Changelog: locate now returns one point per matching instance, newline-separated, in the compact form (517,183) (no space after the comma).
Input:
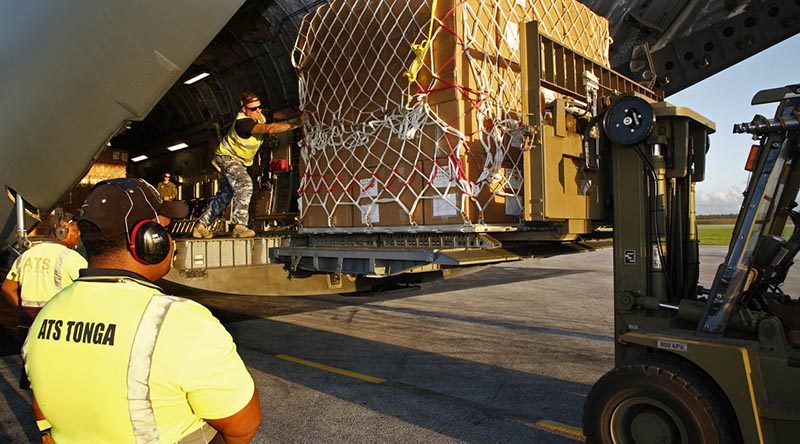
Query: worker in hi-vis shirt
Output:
(42,271)
(112,359)
(234,154)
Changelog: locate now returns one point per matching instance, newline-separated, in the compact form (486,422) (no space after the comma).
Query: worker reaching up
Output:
(234,154)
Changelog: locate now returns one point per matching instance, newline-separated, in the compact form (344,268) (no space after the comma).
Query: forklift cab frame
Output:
(695,364)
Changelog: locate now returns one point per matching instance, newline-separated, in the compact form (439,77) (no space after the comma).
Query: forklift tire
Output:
(657,402)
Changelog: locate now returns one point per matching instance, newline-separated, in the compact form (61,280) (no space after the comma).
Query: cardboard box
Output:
(500,198)
(389,196)
(388,79)
(327,192)
(355,56)
(443,200)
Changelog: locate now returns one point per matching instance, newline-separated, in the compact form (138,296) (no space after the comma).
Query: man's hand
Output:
(299,121)
(285,113)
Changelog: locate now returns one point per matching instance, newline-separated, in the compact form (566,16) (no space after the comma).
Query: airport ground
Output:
(504,354)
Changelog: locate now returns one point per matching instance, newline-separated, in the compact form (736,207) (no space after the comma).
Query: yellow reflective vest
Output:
(243,149)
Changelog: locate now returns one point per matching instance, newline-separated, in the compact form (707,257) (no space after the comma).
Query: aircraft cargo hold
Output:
(438,132)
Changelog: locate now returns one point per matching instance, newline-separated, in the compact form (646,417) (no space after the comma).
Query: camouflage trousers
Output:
(234,185)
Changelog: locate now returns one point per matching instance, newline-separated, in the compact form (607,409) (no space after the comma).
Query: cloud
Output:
(719,202)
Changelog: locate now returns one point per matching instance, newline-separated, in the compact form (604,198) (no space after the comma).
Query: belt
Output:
(204,435)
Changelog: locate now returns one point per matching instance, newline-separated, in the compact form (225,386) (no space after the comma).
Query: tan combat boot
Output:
(242,231)
(201,232)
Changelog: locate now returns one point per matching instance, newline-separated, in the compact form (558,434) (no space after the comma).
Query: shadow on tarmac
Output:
(234,308)
(19,405)
(466,400)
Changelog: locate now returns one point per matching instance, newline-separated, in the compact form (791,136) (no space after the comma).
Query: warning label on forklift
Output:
(630,257)
(674,346)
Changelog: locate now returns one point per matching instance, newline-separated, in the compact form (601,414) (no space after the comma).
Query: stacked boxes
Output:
(413,124)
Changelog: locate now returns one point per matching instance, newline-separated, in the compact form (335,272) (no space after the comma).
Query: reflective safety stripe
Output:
(26,303)
(243,149)
(225,144)
(144,342)
(204,435)
(57,268)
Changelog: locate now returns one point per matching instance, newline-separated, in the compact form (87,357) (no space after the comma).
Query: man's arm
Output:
(277,127)
(297,121)
(286,113)
(242,426)
(11,292)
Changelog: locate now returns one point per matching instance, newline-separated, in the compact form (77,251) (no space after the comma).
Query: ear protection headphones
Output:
(148,241)
(60,232)
(248,98)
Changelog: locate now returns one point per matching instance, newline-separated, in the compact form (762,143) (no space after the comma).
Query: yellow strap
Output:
(420,49)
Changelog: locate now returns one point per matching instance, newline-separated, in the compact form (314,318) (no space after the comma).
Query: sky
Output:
(725,99)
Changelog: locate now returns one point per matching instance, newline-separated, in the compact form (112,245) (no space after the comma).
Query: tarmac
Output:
(504,354)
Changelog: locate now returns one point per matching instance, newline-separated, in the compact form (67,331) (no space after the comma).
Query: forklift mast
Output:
(658,154)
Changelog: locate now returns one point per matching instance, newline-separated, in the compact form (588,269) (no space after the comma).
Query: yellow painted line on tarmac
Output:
(542,424)
(338,371)
(557,427)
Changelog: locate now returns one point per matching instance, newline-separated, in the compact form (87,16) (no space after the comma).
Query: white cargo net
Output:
(417,104)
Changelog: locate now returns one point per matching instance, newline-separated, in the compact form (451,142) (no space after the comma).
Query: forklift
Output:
(696,364)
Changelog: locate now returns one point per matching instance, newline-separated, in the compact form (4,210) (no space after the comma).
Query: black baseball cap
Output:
(116,205)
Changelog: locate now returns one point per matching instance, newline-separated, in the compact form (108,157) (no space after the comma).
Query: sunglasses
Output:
(254,108)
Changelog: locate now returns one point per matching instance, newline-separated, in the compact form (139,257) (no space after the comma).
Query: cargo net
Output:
(415,108)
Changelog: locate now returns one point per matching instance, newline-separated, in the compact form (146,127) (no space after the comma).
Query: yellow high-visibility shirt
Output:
(111,359)
(41,272)
(244,149)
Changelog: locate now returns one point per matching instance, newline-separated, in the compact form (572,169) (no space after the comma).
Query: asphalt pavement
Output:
(504,354)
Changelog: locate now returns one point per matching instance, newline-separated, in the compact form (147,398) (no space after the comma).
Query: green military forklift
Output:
(696,363)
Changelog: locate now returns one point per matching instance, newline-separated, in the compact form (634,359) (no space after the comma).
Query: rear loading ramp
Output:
(386,262)
(310,265)
(382,255)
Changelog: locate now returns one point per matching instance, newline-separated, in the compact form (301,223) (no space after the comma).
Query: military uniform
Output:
(233,155)
(143,366)
(167,190)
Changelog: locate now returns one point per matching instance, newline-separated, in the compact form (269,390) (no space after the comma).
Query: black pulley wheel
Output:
(657,403)
(628,121)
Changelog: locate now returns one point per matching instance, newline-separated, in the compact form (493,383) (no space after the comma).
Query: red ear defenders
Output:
(149,242)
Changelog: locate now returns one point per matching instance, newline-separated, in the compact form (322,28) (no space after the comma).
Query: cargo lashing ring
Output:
(628,121)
